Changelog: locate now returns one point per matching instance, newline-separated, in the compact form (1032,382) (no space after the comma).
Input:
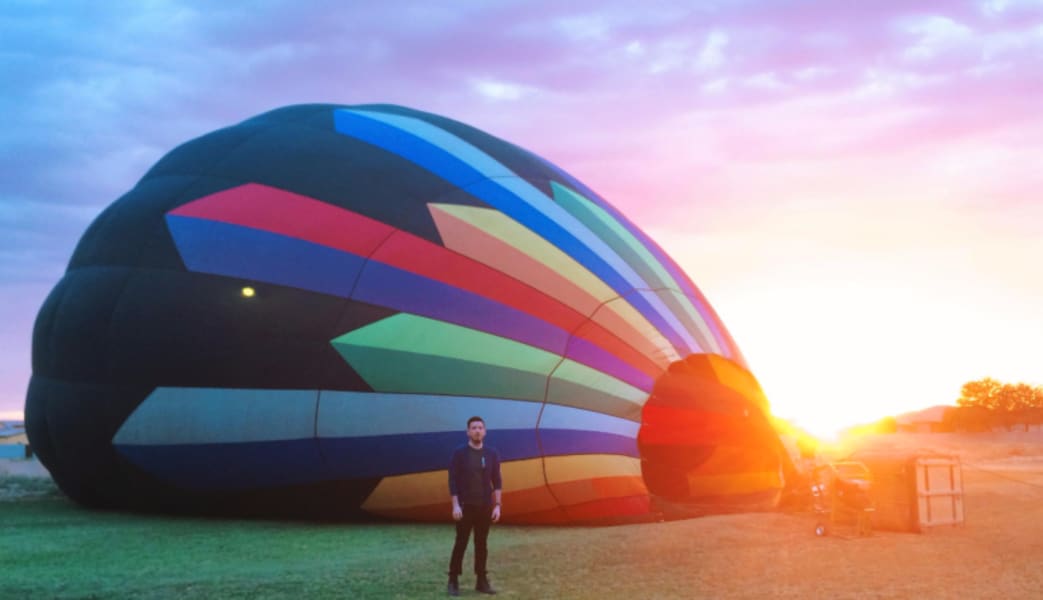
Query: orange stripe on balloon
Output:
(586,490)
(471,240)
(672,425)
(532,505)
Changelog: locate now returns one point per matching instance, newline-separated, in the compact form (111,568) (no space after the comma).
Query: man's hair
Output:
(473,419)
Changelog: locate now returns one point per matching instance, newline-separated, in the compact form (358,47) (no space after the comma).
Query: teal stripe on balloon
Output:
(360,414)
(188,415)
(641,260)
(566,417)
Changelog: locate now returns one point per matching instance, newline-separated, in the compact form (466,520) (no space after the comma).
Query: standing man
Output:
(474,484)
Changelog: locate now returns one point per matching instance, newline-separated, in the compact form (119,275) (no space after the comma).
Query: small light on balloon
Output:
(248,292)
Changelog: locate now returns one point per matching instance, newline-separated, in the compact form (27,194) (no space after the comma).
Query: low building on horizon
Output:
(928,420)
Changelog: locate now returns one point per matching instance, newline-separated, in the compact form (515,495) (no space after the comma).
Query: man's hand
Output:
(496,513)
(458,513)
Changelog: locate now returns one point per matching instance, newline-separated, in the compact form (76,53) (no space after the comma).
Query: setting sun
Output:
(846,318)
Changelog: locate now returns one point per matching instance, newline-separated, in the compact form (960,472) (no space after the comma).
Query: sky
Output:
(854,186)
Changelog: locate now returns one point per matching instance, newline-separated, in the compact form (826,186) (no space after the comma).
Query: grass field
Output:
(50,548)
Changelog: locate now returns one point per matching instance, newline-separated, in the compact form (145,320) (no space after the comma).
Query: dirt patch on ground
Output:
(970,447)
(993,554)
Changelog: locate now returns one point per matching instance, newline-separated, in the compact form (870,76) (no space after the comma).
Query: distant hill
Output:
(932,414)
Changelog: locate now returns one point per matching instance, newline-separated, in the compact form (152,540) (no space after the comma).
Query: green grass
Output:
(51,548)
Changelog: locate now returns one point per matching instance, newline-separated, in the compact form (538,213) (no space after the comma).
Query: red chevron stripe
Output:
(278,211)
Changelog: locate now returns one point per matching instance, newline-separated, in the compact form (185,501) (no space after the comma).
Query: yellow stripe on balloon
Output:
(572,479)
(432,487)
(492,238)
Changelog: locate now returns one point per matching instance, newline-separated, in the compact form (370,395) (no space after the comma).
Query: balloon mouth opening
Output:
(670,451)
(702,440)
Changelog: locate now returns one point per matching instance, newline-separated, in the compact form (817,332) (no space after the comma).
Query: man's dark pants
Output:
(477,518)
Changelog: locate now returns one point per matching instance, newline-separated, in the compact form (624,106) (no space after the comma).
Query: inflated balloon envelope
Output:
(297,315)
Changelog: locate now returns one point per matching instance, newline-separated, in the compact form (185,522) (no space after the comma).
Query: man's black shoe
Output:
(453,587)
(484,586)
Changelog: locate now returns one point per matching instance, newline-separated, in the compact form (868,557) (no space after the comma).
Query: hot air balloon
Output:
(297,315)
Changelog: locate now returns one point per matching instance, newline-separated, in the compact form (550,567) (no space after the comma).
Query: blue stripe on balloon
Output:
(232,250)
(381,456)
(201,415)
(385,455)
(258,465)
(459,173)
(561,442)
(390,286)
(406,145)
(230,467)
(555,416)
(359,414)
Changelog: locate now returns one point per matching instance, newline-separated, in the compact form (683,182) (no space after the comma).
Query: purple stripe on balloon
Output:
(408,292)
(592,355)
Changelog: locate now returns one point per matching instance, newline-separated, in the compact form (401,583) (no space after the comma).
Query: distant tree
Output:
(1016,396)
(986,403)
(982,392)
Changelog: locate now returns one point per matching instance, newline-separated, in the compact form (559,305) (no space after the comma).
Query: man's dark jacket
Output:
(490,474)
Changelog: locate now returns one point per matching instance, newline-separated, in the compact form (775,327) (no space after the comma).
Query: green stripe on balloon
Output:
(615,235)
(408,372)
(676,300)
(405,332)
(407,353)
(578,385)
(631,250)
